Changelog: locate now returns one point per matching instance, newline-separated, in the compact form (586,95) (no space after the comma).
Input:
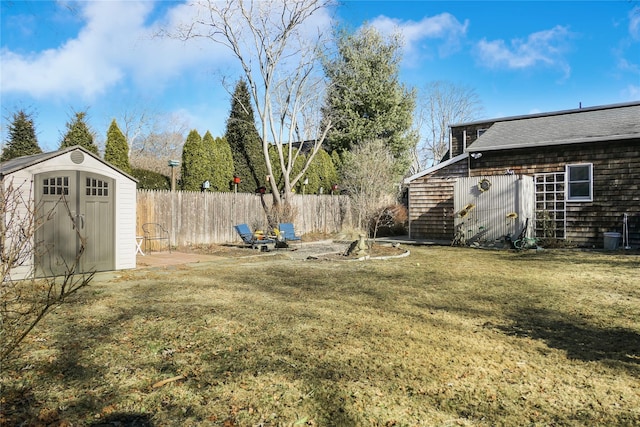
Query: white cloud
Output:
(545,48)
(442,27)
(113,44)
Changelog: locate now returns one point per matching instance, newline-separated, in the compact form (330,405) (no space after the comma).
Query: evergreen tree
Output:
(78,133)
(337,160)
(208,147)
(22,137)
(243,138)
(150,180)
(195,163)
(221,162)
(117,150)
(365,99)
(321,174)
(326,169)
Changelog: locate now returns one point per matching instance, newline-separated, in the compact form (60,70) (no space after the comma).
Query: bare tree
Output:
(135,123)
(26,299)
(154,139)
(368,178)
(441,104)
(279,58)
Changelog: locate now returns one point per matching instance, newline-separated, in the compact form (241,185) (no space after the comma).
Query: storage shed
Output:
(82,205)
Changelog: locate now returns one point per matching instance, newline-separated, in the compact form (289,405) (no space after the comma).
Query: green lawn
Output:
(444,337)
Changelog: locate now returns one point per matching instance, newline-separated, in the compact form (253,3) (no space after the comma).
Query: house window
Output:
(580,182)
(480,132)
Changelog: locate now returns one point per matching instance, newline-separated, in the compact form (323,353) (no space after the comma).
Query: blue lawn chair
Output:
(287,231)
(249,238)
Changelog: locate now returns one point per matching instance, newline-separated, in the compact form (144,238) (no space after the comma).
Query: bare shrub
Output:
(27,292)
(390,221)
(368,178)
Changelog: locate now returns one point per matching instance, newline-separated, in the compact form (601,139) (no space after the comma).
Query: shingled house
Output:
(585,165)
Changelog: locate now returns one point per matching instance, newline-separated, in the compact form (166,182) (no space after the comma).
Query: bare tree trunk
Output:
(279,59)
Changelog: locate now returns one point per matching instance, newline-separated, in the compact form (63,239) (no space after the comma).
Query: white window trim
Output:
(568,183)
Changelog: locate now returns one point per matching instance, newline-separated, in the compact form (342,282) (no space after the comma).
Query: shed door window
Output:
(56,186)
(97,187)
(580,182)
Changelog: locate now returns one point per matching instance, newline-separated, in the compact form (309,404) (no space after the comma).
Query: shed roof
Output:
(606,123)
(437,167)
(19,163)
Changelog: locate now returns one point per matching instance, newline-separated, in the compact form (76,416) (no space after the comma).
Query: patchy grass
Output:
(446,336)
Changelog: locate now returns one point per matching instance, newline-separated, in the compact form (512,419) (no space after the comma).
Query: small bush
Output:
(150,180)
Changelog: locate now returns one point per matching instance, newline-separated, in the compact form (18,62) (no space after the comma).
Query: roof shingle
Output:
(616,122)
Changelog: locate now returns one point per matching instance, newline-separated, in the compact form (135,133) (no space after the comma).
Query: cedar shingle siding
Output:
(607,137)
(431,203)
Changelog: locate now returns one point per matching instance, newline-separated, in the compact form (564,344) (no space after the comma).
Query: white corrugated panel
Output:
(488,208)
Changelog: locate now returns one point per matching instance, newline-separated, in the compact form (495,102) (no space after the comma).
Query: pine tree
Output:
(195,163)
(209,148)
(326,169)
(365,100)
(244,140)
(221,162)
(78,133)
(337,160)
(117,150)
(22,138)
(321,174)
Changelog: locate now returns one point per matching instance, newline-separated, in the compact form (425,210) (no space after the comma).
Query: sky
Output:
(105,57)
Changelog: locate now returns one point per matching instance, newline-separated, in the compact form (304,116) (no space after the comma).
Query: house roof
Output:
(606,123)
(19,163)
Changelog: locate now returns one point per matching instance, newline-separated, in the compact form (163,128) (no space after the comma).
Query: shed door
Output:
(97,219)
(75,210)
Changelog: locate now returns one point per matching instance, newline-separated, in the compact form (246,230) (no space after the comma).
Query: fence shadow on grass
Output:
(578,339)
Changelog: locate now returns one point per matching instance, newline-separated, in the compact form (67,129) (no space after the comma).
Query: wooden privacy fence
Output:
(208,217)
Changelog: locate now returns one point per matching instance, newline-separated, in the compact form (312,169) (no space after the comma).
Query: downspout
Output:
(464,150)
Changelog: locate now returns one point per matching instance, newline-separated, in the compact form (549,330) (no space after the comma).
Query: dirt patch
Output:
(377,251)
(324,250)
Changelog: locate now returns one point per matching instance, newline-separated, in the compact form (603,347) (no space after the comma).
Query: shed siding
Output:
(125,224)
(616,183)
(21,181)
(431,203)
